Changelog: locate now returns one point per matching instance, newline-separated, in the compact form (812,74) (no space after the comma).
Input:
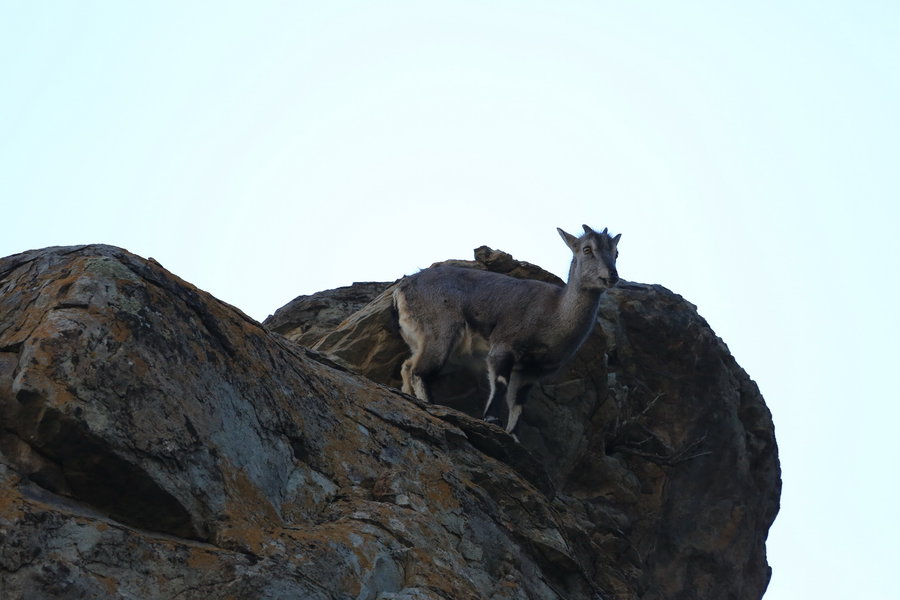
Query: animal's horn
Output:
(587,229)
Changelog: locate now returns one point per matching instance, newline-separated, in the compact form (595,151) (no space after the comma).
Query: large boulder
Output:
(653,434)
(157,443)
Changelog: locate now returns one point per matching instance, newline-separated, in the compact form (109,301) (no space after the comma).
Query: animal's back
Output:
(483,299)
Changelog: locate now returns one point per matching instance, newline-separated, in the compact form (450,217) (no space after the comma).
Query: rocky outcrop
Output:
(157,443)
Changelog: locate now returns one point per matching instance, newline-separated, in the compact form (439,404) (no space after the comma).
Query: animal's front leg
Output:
(500,364)
(516,395)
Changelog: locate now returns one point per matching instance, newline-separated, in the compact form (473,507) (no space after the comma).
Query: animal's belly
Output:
(538,360)
(469,353)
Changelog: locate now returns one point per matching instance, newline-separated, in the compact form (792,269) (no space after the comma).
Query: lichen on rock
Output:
(156,442)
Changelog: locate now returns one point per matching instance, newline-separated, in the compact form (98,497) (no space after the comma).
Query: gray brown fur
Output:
(531,327)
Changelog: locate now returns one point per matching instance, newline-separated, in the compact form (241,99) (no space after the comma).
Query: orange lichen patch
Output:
(440,495)
(355,455)
(239,485)
(249,516)
(109,583)
(119,331)
(352,544)
(140,368)
(10,502)
(243,536)
(203,559)
(426,571)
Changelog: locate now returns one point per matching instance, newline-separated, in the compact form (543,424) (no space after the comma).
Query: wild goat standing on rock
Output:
(531,327)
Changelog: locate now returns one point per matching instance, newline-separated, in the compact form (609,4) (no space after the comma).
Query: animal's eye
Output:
(588,251)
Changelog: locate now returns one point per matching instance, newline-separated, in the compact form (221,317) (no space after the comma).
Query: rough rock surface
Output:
(653,436)
(157,443)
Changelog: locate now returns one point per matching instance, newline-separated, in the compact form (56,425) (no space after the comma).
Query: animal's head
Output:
(594,258)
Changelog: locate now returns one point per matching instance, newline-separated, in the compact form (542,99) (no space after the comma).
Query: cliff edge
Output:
(158,443)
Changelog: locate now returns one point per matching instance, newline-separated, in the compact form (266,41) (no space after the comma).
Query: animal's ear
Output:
(616,240)
(570,240)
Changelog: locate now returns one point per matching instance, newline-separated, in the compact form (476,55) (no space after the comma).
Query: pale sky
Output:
(747,151)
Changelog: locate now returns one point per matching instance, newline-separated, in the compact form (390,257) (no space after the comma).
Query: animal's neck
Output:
(579,305)
(578,299)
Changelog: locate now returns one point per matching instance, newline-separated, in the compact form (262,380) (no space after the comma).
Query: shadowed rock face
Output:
(156,442)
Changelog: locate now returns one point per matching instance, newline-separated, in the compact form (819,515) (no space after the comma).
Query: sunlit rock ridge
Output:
(156,442)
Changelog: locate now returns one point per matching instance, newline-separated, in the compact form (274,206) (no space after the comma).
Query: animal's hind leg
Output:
(430,349)
(418,370)
(405,376)
(429,356)
(412,374)
(414,379)
(500,364)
